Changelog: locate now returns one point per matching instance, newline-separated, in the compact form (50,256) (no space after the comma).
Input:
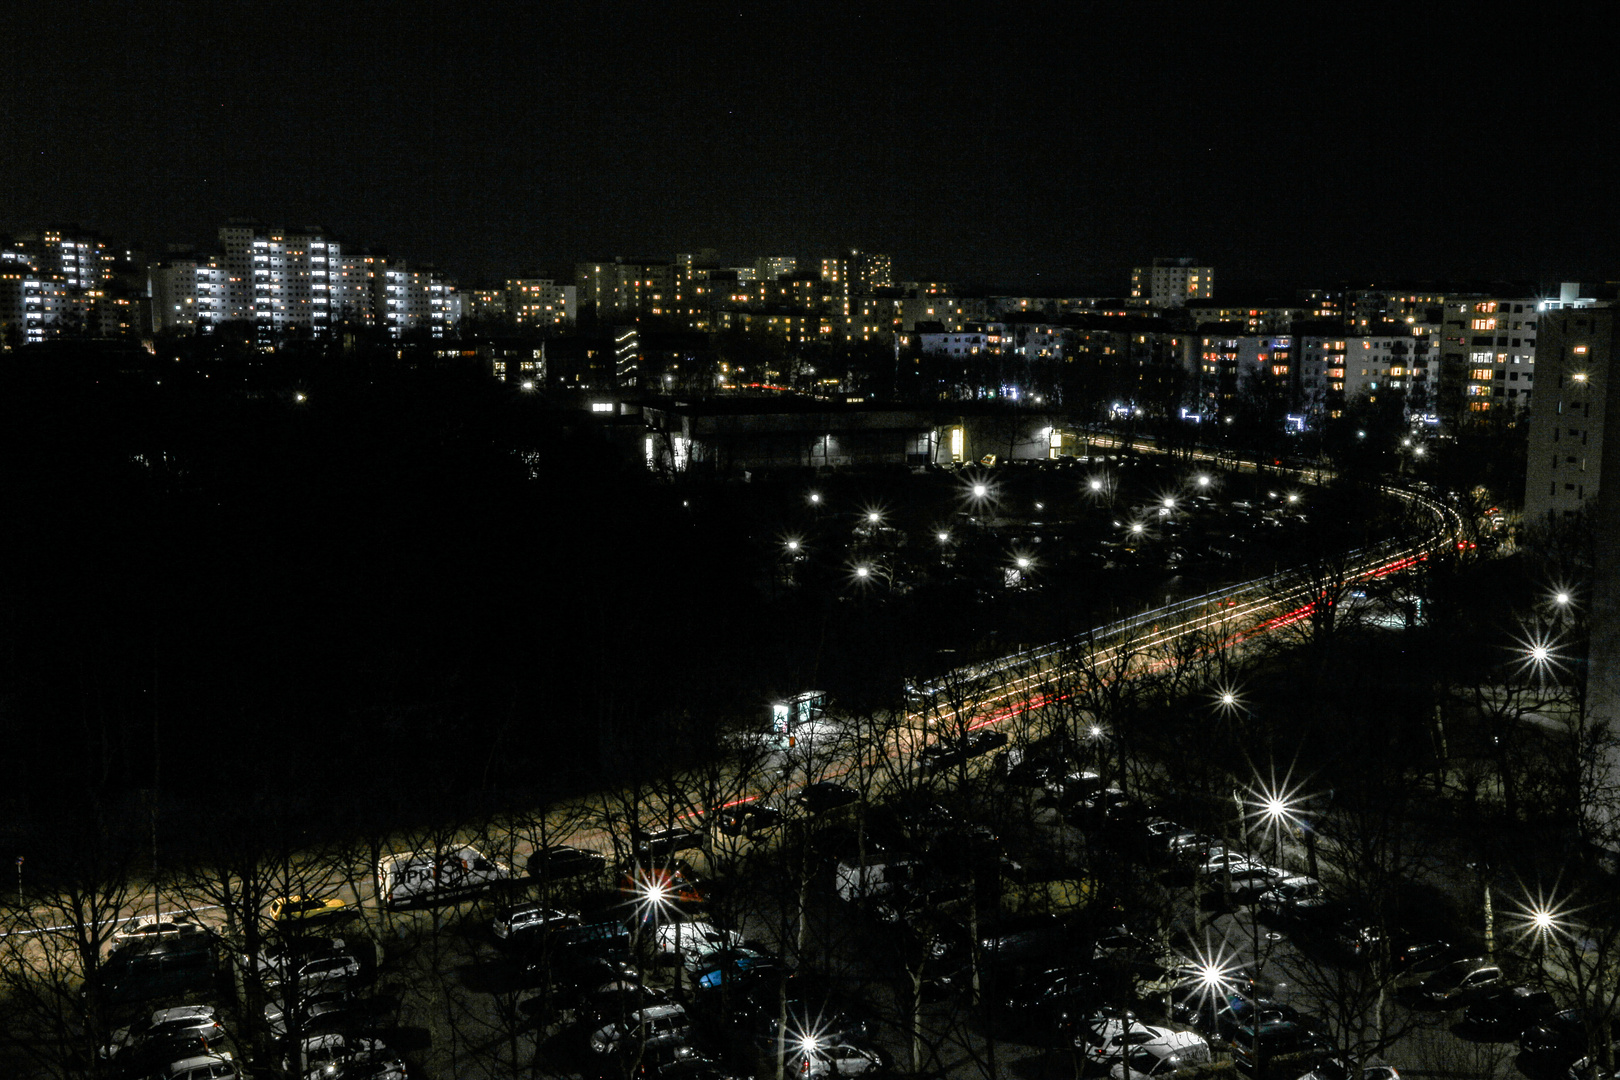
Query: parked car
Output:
(1104,1038)
(819,798)
(304,909)
(658,1022)
(1160,831)
(317,967)
(731,965)
(158,967)
(1028,767)
(1459,982)
(324,1010)
(1174,1051)
(518,922)
(816,1059)
(1251,882)
(693,940)
(1054,999)
(336,1054)
(151,1057)
(747,819)
(558,861)
(1591,1068)
(385,1068)
(951,752)
(214,1066)
(1509,1011)
(1336,1068)
(1559,1037)
(1070,788)
(1290,896)
(197,1024)
(1216,865)
(1275,1040)
(675,882)
(662,1058)
(660,843)
(1411,954)
(143,929)
(617,1001)
(810,1008)
(1222,1018)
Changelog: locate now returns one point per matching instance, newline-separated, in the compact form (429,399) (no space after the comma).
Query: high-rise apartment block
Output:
(301,282)
(79,258)
(858,273)
(1488,354)
(541,302)
(189,295)
(1575,368)
(1170,283)
(60,282)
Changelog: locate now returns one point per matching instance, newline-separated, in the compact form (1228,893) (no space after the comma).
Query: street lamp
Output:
(1275,808)
(1542,919)
(978,492)
(655,900)
(814,498)
(1539,656)
(1100,487)
(864,575)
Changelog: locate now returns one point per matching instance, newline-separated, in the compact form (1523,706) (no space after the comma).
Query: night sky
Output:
(1015,148)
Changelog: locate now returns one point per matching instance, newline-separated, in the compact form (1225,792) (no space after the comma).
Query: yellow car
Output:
(303,908)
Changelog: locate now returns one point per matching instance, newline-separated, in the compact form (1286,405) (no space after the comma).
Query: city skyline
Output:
(1037,157)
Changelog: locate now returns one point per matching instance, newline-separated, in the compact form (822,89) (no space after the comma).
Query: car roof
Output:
(183,1012)
(658,1012)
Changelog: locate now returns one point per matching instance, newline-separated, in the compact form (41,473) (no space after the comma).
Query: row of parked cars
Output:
(164,974)
(664,989)
(1430,971)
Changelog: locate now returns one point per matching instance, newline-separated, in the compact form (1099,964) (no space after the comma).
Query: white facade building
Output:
(188,295)
(1170,283)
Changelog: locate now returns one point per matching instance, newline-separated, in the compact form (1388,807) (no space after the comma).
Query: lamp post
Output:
(980,495)
(1541,918)
(1215,979)
(1539,656)
(656,901)
(1100,488)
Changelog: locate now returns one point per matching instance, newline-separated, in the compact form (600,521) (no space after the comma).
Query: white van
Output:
(415,877)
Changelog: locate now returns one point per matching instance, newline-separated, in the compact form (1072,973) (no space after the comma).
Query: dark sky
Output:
(1013,147)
